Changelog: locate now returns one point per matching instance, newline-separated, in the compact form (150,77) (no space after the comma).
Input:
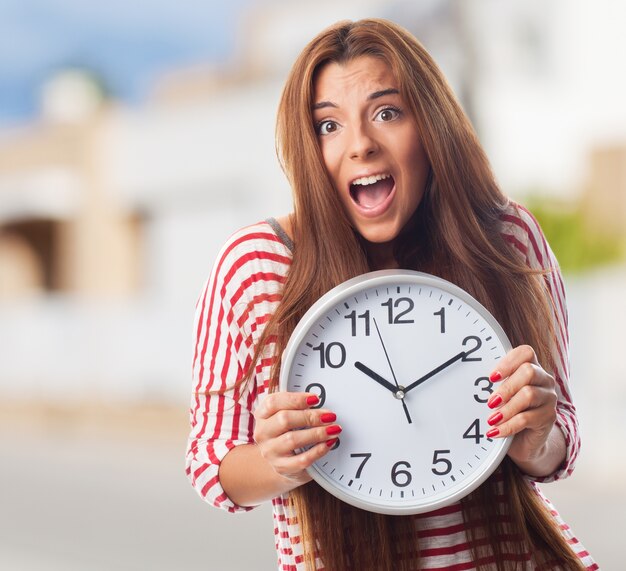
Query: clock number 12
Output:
(390,304)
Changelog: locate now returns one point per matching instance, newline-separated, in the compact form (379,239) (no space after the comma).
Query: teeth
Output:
(365,180)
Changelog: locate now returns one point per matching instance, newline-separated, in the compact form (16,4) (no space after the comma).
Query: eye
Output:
(387,114)
(327,127)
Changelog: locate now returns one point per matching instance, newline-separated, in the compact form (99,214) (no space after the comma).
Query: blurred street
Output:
(101,499)
(104,488)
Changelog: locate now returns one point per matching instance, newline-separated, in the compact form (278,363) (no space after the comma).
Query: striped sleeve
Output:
(240,295)
(523,232)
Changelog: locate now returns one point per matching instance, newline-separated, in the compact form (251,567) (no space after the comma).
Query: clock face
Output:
(403,359)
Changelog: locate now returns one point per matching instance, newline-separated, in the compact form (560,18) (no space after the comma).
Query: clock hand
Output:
(373,375)
(435,371)
(398,392)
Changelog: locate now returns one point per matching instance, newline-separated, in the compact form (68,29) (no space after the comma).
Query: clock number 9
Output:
(405,474)
(438,460)
(321,394)
(325,355)
(488,388)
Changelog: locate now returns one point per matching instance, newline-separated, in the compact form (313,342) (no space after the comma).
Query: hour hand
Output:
(373,375)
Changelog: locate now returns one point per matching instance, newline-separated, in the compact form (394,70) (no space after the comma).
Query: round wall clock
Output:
(403,358)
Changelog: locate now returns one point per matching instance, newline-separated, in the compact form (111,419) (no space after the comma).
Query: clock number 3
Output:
(488,388)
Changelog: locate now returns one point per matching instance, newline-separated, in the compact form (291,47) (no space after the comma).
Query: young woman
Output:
(386,172)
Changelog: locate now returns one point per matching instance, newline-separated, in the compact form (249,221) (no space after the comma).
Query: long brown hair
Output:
(455,234)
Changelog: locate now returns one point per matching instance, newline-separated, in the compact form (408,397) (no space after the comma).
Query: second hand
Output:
(406,410)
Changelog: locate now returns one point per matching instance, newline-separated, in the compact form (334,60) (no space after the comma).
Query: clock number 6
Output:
(405,474)
(438,460)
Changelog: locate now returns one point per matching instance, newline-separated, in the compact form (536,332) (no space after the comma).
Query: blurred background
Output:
(135,137)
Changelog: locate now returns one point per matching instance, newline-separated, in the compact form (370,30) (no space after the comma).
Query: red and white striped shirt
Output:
(241,294)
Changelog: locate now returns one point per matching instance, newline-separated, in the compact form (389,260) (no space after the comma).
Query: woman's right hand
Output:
(285,422)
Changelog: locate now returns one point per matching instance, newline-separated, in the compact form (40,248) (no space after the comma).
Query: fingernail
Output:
(334,429)
(493,432)
(328,417)
(495,376)
(313,399)
(494,418)
(494,401)
(330,443)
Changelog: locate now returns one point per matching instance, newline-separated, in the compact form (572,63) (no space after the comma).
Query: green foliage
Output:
(577,245)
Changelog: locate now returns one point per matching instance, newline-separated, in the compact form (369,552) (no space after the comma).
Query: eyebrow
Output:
(370,97)
(377,94)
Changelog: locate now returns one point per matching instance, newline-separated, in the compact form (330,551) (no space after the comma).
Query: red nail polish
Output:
(330,443)
(312,400)
(494,418)
(334,429)
(494,401)
(328,417)
(495,376)
(493,432)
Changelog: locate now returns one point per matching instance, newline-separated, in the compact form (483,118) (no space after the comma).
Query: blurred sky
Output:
(129,44)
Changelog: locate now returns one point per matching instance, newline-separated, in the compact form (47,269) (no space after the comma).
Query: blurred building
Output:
(605,192)
(110,217)
(62,229)
(109,221)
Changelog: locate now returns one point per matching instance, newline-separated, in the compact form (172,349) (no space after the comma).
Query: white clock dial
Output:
(403,359)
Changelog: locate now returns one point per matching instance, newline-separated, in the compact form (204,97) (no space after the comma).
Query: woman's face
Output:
(370,145)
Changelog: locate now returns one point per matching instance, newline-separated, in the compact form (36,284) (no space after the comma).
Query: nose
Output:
(362,143)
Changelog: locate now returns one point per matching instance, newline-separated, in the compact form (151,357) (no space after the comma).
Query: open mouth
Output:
(371,191)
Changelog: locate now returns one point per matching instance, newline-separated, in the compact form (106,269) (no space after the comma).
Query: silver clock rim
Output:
(377,279)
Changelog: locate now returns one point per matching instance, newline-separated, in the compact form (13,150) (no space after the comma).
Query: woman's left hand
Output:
(525,406)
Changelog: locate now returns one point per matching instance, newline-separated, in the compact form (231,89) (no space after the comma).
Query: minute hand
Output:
(434,371)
